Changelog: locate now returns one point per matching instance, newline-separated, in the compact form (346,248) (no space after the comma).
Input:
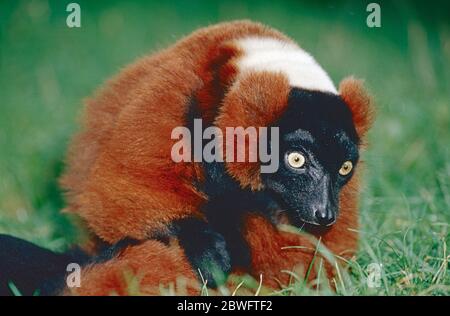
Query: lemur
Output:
(216,217)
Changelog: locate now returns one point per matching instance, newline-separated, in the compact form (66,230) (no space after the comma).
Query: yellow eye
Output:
(296,160)
(346,168)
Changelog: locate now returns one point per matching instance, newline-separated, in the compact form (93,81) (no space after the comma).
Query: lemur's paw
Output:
(206,250)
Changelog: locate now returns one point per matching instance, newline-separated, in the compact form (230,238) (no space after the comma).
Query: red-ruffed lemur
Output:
(161,219)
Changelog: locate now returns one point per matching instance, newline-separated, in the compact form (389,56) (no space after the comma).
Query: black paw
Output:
(206,250)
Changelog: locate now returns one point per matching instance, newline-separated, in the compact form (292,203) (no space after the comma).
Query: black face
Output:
(318,154)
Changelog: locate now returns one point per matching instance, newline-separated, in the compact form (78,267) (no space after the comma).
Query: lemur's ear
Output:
(256,99)
(360,103)
(218,71)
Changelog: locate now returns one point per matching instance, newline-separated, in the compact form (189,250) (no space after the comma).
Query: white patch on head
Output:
(270,54)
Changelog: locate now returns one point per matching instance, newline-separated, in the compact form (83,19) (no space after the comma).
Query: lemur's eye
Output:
(296,160)
(346,168)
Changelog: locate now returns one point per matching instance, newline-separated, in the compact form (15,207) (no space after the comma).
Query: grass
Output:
(46,69)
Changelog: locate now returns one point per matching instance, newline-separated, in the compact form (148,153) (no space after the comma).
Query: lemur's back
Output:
(119,175)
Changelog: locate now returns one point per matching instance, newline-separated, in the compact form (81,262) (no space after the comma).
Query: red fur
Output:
(145,269)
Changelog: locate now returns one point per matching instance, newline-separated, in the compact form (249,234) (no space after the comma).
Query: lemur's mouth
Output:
(282,214)
(280,217)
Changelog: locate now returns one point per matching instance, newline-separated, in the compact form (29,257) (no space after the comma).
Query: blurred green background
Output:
(46,69)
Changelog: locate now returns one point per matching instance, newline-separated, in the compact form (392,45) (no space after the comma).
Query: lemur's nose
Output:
(325,217)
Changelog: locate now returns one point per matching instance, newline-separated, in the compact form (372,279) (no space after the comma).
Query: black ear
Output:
(360,103)
(30,268)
